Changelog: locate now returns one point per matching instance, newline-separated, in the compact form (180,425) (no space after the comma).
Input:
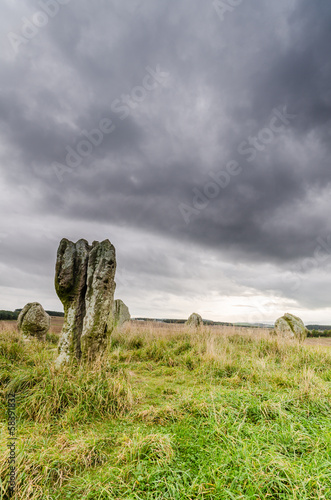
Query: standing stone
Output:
(99,299)
(84,282)
(121,313)
(194,320)
(70,285)
(291,327)
(33,321)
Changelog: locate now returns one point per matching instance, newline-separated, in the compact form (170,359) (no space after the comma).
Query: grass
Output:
(170,413)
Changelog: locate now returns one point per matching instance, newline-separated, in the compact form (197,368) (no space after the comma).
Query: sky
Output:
(195,136)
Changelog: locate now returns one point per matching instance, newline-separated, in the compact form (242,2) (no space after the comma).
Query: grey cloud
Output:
(225,79)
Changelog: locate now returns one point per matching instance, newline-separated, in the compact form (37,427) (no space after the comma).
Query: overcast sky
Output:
(194,135)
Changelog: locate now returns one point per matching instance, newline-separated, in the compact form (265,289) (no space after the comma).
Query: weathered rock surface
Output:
(99,298)
(291,327)
(70,285)
(121,313)
(194,320)
(33,321)
(84,282)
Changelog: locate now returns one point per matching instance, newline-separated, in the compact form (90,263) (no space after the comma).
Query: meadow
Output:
(169,413)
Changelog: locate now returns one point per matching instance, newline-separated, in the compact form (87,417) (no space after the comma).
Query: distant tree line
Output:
(8,315)
(13,315)
(318,327)
(319,333)
(55,313)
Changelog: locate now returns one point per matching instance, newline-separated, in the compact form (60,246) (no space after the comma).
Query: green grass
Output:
(170,413)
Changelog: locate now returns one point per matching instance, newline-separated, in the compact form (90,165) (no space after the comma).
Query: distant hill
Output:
(205,322)
(318,327)
(223,323)
(254,325)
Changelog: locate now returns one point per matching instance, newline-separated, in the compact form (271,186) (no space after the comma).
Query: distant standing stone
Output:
(291,327)
(121,312)
(194,320)
(33,321)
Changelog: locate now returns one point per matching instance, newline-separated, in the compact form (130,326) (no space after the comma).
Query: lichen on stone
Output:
(290,327)
(194,320)
(33,321)
(85,284)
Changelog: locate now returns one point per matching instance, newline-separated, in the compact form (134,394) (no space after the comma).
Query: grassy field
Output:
(170,413)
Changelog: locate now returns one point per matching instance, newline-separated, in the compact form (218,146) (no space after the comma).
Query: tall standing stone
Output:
(121,312)
(70,285)
(99,298)
(33,321)
(84,282)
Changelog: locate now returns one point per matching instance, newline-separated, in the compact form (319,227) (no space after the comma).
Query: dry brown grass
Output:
(154,329)
(8,326)
(56,325)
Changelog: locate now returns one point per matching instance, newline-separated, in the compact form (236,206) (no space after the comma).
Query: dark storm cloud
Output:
(225,79)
